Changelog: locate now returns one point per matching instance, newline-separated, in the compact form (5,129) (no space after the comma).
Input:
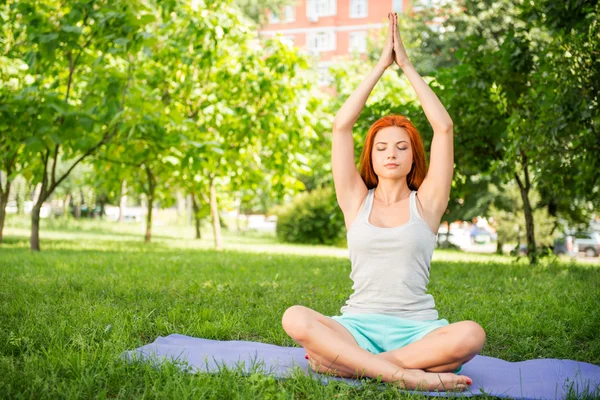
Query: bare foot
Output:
(432,381)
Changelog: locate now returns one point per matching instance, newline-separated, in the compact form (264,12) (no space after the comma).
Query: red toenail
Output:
(306,356)
(469,381)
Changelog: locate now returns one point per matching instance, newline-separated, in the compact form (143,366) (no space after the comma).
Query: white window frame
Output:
(289,14)
(321,41)
(321,8)
(353,37)
(356,12)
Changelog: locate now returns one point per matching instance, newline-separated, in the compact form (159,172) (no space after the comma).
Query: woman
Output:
(389,327)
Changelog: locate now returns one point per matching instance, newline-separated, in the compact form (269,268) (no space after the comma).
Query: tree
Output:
(78,60)
(501,86)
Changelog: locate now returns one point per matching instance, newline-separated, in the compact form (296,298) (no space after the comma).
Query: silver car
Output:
(588,243)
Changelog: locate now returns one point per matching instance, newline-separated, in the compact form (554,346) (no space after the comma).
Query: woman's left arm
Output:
(434,192)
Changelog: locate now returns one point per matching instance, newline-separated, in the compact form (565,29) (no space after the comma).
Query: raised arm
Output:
(435,189)
(349,187)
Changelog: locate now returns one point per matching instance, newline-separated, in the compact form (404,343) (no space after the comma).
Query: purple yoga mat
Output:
(532,379)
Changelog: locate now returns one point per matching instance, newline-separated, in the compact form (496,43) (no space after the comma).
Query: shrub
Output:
(312,218)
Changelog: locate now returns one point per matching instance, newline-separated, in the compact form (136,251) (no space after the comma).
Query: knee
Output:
(470,340)
(296,322)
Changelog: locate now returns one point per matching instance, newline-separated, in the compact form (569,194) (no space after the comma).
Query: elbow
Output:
(447,128)
(338,125)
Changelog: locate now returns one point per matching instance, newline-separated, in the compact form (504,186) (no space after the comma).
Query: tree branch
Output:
(9,163)
(119,162)
(107,136)
(53,175)
(45,157)
(519,182)
(527,181)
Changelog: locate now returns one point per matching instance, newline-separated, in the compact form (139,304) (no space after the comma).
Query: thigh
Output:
(457,328)
(338,328)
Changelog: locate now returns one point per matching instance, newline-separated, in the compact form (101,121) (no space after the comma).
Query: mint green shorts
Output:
(378,333)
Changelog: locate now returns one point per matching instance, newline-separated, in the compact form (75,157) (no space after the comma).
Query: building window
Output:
(320,41)
(357,42)
(320,8)
(289,14)
(358,8)
(274,17)
(397,6)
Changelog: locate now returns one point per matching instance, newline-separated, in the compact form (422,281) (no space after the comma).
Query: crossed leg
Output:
(442,350)
(333,350)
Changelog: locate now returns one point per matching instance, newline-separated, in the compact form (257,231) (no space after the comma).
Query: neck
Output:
(391,192)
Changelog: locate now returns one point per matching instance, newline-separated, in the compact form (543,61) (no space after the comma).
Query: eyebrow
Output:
(396,143)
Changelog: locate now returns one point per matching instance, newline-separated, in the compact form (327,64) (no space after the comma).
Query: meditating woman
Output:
(389,327)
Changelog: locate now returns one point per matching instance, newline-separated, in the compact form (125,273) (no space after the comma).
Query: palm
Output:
(400,56)
(387,55)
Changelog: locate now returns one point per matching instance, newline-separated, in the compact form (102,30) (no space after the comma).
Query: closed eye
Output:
(405,148)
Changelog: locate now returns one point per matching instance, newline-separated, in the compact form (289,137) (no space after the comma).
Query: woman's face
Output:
(392,146)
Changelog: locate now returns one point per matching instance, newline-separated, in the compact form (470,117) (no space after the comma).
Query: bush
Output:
(312,218)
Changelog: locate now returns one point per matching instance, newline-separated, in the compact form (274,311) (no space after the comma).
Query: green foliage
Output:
(163,95)
(255,9)
(312,218)
(507,216)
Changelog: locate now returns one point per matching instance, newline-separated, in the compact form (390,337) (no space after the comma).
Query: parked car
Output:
(566,245)
(588,243)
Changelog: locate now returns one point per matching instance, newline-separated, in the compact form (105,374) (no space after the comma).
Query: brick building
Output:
(331,28)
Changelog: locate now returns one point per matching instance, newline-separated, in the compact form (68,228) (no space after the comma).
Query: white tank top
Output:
(390,266)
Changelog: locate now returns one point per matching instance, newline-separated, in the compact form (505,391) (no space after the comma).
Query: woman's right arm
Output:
(349,187)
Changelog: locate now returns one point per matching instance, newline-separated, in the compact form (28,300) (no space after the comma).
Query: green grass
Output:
(68,313)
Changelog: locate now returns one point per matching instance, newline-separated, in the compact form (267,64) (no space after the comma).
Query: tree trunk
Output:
(37,192)
(150,194)
(524,189)
(214,212)
(196,209)
(100,201)
(499,246)
(122,200)
(34,241)
(3,202)
(18,196)
(148,236)
(67,206)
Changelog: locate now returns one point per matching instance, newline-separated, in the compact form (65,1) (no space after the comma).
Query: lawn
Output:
(67,313)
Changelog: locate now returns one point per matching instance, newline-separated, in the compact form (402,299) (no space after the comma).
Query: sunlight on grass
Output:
(96,290)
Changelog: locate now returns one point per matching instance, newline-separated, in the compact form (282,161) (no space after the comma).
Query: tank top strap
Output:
(365,208)
(414,213)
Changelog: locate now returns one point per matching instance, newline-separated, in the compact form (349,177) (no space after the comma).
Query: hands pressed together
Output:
(393,49)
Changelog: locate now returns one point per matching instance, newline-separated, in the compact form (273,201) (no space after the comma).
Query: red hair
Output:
(419,168)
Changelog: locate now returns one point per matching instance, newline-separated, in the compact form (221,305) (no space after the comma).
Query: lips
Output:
(391,165)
